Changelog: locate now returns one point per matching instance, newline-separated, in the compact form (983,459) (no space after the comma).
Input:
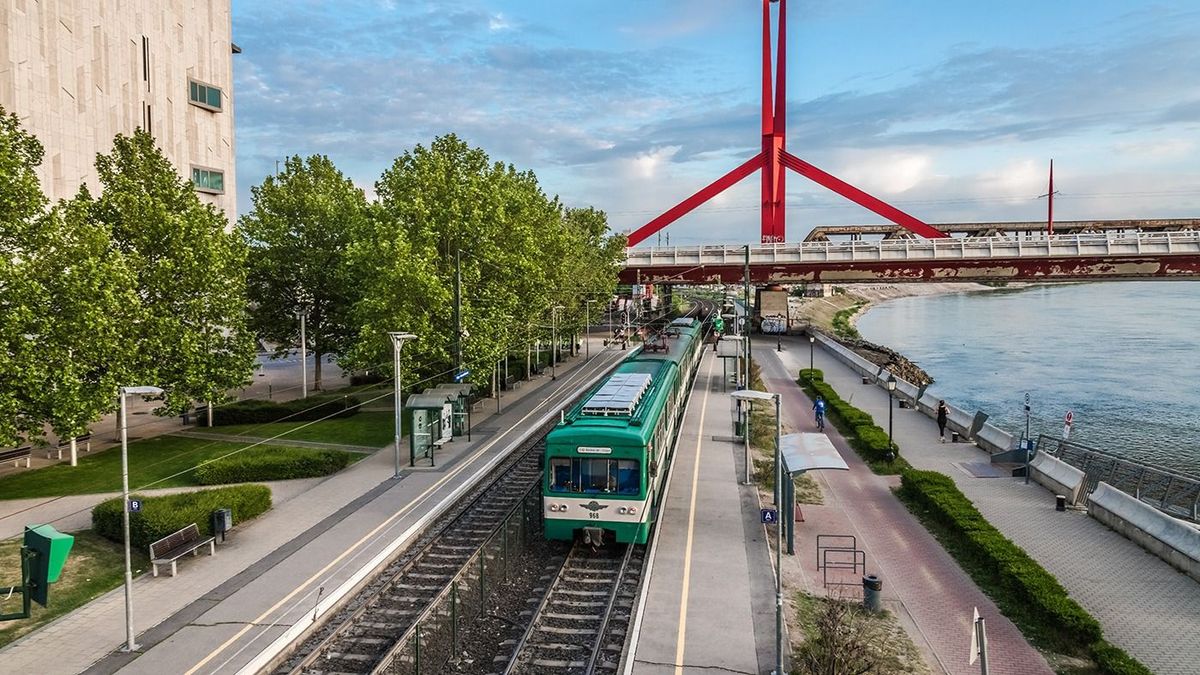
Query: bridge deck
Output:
(1108,255)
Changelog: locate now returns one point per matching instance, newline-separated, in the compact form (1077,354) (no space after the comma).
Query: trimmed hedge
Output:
(160,516)
(868,439)
(1025,586)
(1115,661)
(272,464)
(252,411)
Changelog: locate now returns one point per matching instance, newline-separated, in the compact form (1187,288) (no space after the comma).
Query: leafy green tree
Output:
(190,324)
(302,224)
(449,199)
(85,289)
(21,205)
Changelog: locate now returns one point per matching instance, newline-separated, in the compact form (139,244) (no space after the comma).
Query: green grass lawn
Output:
(369,429)
(94,567)
(150,460)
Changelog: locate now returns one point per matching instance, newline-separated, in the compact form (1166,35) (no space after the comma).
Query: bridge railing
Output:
(1184,242)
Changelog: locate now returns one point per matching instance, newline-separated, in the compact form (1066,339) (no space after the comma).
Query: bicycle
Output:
(820,421)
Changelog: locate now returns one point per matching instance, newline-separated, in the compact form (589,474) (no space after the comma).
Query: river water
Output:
(1123,356)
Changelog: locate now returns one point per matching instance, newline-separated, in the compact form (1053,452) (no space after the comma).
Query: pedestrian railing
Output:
(1174,493)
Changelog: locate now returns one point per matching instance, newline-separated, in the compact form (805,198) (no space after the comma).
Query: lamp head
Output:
(891,384)
(144,391)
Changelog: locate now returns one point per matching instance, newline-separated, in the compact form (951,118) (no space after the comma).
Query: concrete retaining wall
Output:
(1057,476)
(1153,530)
(994,439)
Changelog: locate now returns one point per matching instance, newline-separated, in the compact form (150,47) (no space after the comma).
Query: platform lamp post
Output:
(587,330)
(749,395)
(130,646)
(812,340)
(891,389)
(302,314)
(398,340)
(554,337)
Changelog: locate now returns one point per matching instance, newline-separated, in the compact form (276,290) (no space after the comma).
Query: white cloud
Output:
(887,173)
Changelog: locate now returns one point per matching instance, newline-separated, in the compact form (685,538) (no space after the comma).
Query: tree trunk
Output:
(317,370)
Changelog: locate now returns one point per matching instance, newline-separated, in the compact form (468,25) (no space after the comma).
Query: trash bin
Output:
(1060,503)
(872,593)
(222,522)
(955,437)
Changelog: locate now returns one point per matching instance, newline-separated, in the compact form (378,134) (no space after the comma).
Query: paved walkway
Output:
(922,584)
(1143,604)
(221,611)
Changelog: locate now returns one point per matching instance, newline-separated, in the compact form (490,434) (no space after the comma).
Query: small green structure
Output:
(42,558)
(461,404)
(432,420)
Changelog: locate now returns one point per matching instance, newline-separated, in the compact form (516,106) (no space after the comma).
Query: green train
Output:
(606,459)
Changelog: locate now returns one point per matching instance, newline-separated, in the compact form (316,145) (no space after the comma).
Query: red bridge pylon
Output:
(774,159)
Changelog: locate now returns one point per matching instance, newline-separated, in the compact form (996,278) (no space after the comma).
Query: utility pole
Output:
(458,331)
(1050,202)
(746,315)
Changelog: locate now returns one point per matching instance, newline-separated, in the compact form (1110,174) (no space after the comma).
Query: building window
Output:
(209,180)
(204,95)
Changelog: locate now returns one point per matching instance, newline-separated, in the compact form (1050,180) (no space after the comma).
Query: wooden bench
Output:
(15,455)
(178,544)
(65,444)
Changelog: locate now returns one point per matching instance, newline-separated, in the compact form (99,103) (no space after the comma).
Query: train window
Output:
(629,480)
(560,475)
(612,476)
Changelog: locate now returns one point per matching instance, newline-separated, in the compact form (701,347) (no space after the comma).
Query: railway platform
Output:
(229,612)
(709,603)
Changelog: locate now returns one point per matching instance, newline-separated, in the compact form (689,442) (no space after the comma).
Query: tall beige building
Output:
(78,72)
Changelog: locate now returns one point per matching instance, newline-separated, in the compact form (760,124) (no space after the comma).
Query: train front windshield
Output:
(595,476)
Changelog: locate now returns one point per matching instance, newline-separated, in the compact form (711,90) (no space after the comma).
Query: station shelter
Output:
(431,417)
(460,404)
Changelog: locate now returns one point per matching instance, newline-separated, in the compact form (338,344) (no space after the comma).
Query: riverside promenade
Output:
(1143,604)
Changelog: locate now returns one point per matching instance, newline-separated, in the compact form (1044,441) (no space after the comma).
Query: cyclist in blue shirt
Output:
(819,406)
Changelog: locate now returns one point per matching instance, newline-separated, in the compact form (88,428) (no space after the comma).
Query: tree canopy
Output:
(299,232)
(142,285)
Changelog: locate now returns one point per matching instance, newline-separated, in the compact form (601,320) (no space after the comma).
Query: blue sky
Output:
(949,110)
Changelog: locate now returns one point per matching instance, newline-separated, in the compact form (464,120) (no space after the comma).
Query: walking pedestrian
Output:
(942,413)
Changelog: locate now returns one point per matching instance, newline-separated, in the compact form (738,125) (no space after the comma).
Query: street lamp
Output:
(749,395)
(398,340)
(302,313)
(554,337)
(812,339)
(130,646)
(891,388)
(587,329)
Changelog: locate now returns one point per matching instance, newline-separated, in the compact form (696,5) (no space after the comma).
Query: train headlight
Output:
(562,507)
(632,510)
(554,507)
(622,510)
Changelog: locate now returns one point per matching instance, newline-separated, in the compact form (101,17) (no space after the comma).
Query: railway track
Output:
(362,636)
(581,624)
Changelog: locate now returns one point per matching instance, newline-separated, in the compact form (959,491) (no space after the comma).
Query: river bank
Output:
(838,315)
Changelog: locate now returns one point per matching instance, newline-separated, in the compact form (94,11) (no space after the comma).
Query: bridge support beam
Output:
(774,159)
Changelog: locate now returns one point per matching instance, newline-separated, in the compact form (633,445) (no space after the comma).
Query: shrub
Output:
(160,516)
(272,464)
(1114,660)
(868,439)
(300,410)
(1029,587)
